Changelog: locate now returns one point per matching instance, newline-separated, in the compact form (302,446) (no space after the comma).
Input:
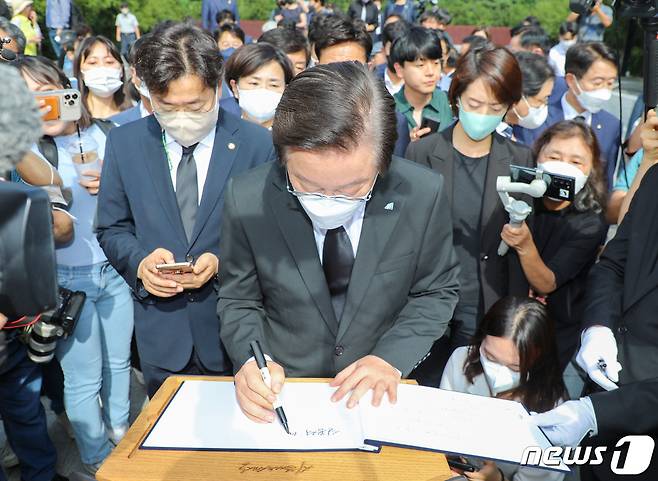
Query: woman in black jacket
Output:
(471,155)
(561,246)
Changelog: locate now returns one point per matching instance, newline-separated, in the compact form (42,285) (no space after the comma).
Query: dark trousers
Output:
(154,376)
(127,40)
(23,415)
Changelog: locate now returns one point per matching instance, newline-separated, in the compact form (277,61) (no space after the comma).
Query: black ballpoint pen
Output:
(267,379)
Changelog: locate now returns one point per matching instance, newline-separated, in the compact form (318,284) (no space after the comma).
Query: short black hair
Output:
(178,50)
(535,37)
(224,15)
(249,58)
(517,29)
(451,58)
(231,28)
(581,56)
(337,29)
(475,41)
(532,21)
(418,43)
(395,30)
(332,107)
(441,15)
(289,40)
(535,71)
(569,27)
(124,4)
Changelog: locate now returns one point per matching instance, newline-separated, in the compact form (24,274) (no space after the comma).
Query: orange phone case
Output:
(53,102)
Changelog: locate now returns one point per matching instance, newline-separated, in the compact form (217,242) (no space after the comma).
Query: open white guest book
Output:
(204,415)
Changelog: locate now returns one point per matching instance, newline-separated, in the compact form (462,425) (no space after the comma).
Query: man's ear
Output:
(234,88)
(398,69)
(570,80)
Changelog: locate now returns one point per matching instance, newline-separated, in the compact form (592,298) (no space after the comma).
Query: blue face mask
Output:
(478,126)
(226,53)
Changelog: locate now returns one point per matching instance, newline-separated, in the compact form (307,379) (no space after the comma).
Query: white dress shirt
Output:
(142,110)
(390,86)
(202,155)
(352,227)
(571,113)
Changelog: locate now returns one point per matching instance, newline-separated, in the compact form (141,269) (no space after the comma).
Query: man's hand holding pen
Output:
(255,399)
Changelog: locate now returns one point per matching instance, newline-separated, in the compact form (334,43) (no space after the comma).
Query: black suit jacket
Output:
(402,291)
(623,286)
(499,276)
(372,14)
(630,410)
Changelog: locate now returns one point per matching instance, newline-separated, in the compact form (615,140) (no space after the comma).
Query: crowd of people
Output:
(333,184)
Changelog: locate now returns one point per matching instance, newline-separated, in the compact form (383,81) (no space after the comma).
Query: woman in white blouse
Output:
(513,355)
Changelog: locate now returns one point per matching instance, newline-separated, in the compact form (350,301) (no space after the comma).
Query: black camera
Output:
(6,54)
(59,322)
(558,186)
(582,7)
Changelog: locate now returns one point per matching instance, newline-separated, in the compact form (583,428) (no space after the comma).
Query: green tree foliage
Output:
(101,14)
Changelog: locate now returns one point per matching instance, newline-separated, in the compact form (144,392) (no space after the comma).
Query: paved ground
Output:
(68,458)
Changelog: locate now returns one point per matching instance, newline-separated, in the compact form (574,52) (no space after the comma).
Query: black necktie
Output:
(187,189)
(337,262)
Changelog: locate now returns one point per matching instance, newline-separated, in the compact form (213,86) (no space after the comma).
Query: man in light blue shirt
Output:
(58,15)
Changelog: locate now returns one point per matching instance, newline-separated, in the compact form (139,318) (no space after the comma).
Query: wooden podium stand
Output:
(129,463)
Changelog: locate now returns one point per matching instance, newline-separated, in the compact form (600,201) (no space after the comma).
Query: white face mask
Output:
(500,378)
(593,100)
(103,81)
(259,104)
(566,169)
(330,212)
(565,44)
(143,89)
(536,116)
(188,128)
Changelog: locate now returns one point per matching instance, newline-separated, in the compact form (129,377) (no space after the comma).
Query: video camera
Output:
(535,183)
(6,54)
(59,322)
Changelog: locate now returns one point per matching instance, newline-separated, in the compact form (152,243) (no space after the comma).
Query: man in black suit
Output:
(339,260)
(161,201)
(621,329)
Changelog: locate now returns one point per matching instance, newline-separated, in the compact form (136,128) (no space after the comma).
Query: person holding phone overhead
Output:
(471,155)
(188,150)
(96,358)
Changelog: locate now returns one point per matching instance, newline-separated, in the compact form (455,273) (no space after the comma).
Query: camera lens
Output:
(75,96)
(67,96)
(71,103)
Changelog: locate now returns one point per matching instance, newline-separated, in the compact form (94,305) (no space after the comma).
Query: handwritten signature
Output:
(285,468)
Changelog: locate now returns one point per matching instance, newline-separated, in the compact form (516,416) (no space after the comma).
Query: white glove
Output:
(569,423)
(598,344)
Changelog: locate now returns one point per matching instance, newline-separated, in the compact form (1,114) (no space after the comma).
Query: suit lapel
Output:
(498,165)
(156,162)
(224,152)
(297,230)
(381,217)
(442,160)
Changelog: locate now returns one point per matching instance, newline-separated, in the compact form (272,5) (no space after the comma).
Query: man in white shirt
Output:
(127,29)
(163,182)
(338,259)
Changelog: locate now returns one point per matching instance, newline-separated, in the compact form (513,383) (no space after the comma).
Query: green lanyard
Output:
(164,145)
